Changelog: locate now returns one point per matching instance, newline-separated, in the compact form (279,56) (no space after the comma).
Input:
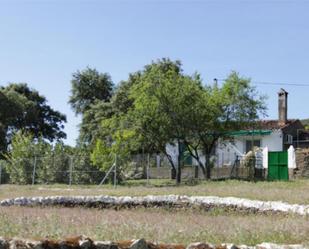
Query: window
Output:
(288,139)
(256,143)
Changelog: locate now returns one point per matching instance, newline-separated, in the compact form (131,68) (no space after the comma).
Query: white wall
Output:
(172,150)
(274,141)
(226,152)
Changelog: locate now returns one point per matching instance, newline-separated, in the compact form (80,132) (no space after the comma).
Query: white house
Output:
(276,135)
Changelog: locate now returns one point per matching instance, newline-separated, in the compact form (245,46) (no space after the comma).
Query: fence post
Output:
(148,162)
(70,169)
(34,168)
(0,172)
(115,172)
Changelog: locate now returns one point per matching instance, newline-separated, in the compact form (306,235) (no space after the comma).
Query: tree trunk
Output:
(178,176)
(173,173)
(196,172)
(203,168)
(179,164)
(173,170)
(208,169)
(195,155)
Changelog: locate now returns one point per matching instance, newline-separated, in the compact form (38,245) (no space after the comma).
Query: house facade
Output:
(275,135)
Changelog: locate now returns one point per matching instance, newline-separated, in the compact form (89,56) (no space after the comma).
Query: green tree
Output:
(24,108)
(88,87)
(118,142)
(221,110)
(53,164)
(90,96)
(91,122)
(162,106)
(23,157)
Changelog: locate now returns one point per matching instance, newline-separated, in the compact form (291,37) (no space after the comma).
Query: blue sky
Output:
(44,42)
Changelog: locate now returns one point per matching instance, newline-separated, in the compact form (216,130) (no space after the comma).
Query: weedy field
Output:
(181,226)
(160,224)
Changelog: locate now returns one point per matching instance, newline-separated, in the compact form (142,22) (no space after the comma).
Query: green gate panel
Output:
(278,165)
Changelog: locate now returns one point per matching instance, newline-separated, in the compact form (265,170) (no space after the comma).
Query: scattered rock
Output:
(25,244)
(83,242)
(276,246)
(139,244)
(105,245)
(4,243)
(200,245)
(228,246)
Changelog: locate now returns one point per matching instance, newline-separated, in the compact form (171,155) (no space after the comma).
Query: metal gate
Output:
(278,165)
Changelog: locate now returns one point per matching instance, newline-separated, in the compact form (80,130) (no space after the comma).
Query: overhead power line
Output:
(272,83)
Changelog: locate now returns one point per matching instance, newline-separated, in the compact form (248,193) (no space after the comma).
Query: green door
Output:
(185,156)
(278,165)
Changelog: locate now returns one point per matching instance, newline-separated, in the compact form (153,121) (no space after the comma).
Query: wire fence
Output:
(70,169)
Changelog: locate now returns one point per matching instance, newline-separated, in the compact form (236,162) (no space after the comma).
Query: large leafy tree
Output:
(170,107)
(90,96)
(88,87)
(148,112)
(24,108)
(161,105)
(219,111)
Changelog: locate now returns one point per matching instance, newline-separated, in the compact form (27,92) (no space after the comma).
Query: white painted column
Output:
(265,157)
(291,158)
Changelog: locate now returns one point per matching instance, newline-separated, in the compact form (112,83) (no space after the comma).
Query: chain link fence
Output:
(68,169)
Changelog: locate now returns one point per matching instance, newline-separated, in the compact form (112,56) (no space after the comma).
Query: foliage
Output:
(91,122)
(115,147)
(90,95)
(22,157)
(233,106)
(89,86)
(85,172)
(24,108)
(53,163)
(161,105)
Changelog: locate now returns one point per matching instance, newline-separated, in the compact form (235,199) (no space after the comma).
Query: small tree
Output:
(116,147)
(23,157)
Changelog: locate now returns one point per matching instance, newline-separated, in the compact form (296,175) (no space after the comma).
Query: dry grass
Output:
(152,224)
(292,191)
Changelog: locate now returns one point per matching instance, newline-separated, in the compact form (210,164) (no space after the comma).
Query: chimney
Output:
(283,106)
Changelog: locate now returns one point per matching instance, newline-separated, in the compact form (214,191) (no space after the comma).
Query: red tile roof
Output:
(272,124)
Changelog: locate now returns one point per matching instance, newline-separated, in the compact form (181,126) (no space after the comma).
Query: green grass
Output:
(157,225)
(291,191)
(162,225)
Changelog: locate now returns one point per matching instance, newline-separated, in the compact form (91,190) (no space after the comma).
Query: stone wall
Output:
(302,163)
(83,242)
(172,201)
